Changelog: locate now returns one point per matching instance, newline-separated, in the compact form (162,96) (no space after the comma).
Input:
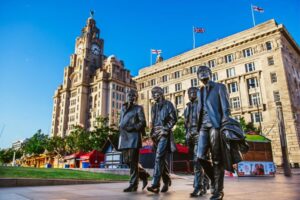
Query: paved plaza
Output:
(244,188)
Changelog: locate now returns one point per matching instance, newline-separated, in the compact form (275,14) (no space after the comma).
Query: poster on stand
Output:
(256,168)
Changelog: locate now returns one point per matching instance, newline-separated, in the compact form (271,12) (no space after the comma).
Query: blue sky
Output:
(38,37)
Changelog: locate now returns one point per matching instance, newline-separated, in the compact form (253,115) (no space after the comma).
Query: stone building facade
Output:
(259,66)
(93,85)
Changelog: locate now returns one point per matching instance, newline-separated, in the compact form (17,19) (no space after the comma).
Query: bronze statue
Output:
(132,126)
(201,182)
(164,118)
(214,110)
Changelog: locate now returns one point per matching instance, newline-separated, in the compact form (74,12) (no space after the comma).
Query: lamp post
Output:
(282,135)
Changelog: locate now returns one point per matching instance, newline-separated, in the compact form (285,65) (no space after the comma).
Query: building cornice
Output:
(259,31)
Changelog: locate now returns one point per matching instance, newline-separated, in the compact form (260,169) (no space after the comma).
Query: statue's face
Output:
(204,76)
(193,95)
(131,97)
(157,96)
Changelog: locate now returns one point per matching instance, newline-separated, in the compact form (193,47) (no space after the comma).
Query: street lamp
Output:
(253,85)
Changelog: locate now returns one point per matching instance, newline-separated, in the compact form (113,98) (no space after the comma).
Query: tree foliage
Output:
(248,127)
(101,133)
(78,140)
(6,155)
(36,144)
(179,131)
(56,145)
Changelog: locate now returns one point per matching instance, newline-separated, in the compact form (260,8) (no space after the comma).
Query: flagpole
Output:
(252,15)
(150,57)
(193,37)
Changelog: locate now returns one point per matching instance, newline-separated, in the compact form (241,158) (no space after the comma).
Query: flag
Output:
(199,30)
(258,9)
(156,51)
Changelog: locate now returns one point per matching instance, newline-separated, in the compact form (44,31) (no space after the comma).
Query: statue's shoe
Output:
(154,189)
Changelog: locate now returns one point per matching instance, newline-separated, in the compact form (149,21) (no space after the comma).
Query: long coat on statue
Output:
(132,126)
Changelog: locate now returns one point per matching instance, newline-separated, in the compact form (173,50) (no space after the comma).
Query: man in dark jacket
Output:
(132,125)
(191,126)
(164,118)
(214,110)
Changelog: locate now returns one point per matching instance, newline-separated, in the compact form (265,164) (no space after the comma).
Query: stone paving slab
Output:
(243,188)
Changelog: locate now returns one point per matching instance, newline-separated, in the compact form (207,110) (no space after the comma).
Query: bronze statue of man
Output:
(191,126)
(214,110)
(164,118)
(132,126)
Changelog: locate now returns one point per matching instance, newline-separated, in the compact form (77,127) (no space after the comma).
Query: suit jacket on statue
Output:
(217,102)
(168,116)
(132,117)
(188,112)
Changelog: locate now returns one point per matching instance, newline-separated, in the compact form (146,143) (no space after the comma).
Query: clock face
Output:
(95,49)
(79,49)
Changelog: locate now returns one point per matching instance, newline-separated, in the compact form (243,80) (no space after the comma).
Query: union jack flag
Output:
(199,30)
(156,51)
(258,9)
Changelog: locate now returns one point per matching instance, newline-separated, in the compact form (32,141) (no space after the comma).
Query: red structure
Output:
(180,159)
(72,161)
(91,159)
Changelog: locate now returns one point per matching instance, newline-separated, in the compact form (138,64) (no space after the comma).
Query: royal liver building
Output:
(93,85)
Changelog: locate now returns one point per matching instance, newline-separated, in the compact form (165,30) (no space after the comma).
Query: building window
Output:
(113,104)
(276,96)
(152,82)
(193,69)
(273,77)
(232,87)
(229,58)
(166,90)
(269,45)
(73,94)
(142,96)
(212,63)
(194,82)
(270,60)
(177,74)
(214,76)
(142,85)
(252,83)
(247,52)
(256,117)
(235,102)
(230,72)
(164,78)
(177,87)
(113,95)
(254,99)
(178,100)
(250,67)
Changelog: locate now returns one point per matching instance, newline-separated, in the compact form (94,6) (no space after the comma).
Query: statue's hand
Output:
(129,128)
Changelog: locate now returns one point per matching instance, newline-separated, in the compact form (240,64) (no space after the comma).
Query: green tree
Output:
(179,131)
(248,127)
(6,155)
(56,145)
(78,140)
(36,144)
(102,131)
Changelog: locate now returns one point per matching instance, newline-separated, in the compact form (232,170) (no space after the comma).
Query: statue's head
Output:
(204,74)
(192,92)
(157,93)
(132,96)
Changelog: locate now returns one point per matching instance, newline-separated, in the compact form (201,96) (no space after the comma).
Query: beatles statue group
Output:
(204,115)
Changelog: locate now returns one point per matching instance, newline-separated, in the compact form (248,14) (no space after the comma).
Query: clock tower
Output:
(94,85)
